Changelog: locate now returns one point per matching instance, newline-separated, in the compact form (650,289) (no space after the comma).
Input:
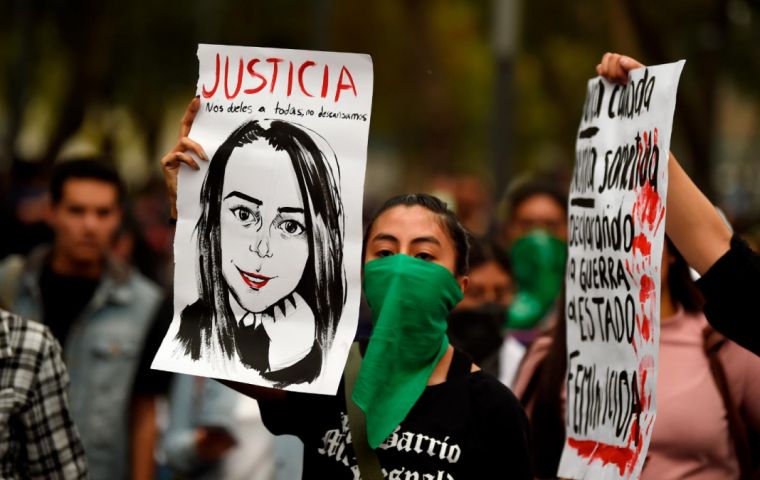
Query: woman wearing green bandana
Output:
(429,412)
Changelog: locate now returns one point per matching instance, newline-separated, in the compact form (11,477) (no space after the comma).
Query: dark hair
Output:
(536,187)
(322,285)
(447,217)
(85,168)
(484,250)
(547,423)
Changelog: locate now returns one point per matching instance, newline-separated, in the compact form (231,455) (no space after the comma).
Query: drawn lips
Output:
(254,280)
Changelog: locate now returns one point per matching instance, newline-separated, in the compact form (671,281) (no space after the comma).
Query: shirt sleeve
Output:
(290,415)
(730,288)
(53,447)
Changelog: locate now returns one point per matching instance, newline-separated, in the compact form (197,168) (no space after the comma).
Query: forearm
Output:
(143,437)
(693,224)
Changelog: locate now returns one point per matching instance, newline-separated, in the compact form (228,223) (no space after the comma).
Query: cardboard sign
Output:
(616,234)
(268,241)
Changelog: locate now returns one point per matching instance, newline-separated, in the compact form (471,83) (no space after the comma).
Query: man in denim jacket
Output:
(100,311)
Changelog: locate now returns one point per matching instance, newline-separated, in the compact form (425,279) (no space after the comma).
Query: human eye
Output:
(425,256)
(292,228)
(244,214)
(76,209)
(383,253)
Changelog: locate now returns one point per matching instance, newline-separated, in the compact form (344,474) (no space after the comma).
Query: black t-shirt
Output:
(470,426)
(64,297)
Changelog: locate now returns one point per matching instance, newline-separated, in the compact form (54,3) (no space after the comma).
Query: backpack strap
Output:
(366,458)
(713,342)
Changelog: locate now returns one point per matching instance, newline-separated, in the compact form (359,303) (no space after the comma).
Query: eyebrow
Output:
(391,238)
(290,210)
(426,240)
(243,196)
(384,236)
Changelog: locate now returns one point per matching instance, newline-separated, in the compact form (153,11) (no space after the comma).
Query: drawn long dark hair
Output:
(322,285)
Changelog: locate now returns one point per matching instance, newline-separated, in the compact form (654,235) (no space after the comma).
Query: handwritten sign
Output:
(268,240)
(616,234)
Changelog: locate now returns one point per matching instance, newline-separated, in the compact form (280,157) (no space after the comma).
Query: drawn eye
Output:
(291,227)
(244,214)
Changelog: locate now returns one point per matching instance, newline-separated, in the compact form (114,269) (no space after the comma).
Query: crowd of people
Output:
(473,388)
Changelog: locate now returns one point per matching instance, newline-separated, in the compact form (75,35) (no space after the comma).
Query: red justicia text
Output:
(250,78)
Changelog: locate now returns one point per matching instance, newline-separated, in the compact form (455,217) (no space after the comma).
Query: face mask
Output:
(538,261)
(478,331)
(410,301)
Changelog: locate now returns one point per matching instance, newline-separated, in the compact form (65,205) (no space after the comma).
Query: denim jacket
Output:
(102,352)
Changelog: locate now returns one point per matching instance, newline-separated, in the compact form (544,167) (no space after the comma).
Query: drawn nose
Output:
(260,246)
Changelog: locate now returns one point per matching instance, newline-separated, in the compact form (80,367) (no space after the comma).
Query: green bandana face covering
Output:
(538,261)
(410,301)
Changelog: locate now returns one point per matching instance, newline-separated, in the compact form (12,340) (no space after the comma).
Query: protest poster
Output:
(616,233)
(268,241)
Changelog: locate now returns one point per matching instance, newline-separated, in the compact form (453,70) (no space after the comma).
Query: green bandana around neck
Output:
(410,301)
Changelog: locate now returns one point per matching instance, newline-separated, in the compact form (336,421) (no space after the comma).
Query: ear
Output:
(464,282)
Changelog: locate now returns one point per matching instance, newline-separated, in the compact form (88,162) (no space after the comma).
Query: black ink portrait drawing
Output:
(271,281)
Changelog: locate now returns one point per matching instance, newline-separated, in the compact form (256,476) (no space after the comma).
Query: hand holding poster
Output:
(616,234)
(268,241)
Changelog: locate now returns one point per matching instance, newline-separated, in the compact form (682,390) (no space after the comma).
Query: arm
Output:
(692,222)
(53,448)
(199,424)
(143,437)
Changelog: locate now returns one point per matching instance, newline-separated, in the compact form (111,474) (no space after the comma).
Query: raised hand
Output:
(172,161)
(615,67)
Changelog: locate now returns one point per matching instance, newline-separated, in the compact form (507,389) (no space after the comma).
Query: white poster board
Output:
(268,241)
(616,234)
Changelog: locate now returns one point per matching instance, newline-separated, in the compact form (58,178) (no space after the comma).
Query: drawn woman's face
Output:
(263,226)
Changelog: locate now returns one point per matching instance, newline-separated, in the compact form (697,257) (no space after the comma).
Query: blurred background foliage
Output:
(92,76)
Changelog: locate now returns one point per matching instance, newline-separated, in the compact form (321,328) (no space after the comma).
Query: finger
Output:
(194,146)
(189,116)
(169,161)
(186,159)
(615,71)
(606,64)
(629,63)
